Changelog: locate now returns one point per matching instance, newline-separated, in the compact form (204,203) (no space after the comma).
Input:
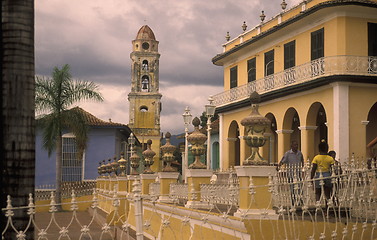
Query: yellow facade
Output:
(343,37)
(331,97)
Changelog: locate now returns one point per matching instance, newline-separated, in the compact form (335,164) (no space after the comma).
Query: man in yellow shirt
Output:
(322,164)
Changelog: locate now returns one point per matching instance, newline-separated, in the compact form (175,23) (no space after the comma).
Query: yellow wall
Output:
(145,119)
(359,112)
(343,36)
(255,228)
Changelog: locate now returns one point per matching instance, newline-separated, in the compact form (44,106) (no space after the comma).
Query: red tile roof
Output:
(94,121)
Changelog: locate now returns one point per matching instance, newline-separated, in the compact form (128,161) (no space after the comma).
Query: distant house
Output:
(106,139)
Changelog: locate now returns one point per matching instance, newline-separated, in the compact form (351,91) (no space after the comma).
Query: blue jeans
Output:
(327,181)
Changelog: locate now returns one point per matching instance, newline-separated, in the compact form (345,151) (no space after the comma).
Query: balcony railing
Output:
(322,67)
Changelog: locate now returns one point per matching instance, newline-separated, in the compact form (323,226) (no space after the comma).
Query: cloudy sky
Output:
(94,37)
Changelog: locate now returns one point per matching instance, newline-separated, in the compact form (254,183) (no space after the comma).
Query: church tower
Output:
(144,98)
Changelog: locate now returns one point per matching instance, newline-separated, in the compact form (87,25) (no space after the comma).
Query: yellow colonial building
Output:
(315,67)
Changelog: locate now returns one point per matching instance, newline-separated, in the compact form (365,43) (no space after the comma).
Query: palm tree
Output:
(17,141)
(54,96)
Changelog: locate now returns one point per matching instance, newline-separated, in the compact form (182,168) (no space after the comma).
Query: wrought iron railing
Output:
(326,66)
(179,191)
(154,188)
(349,213)
(81,189)
(353,189)
(227,194)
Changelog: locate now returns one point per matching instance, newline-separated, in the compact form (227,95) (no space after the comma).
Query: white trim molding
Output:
(307,128)
(284,131)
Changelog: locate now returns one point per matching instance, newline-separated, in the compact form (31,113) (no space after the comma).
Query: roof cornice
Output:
(290,21)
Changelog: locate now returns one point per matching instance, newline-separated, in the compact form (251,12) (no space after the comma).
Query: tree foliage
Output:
(53,98)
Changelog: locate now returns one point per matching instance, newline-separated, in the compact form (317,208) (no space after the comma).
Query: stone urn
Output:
(135,163)
(148,155)
(197,140)
(168,154)
(255,127)
(114,166)
(122,165)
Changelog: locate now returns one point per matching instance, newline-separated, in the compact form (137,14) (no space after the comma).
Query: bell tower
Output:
(144,98)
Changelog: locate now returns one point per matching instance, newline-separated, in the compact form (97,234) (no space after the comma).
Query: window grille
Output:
(72,167)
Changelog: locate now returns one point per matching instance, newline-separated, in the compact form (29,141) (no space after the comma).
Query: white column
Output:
(221,138)
(209,143)
(185,161)
(341,120)
(136,190)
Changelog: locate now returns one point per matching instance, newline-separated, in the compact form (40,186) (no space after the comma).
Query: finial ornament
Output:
(262,16)
(135,163)
(244,26)
(109,168)
(122,165)
(283,5)
(227,36)
(114,166)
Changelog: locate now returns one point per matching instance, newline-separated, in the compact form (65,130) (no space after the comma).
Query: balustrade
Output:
(326,66)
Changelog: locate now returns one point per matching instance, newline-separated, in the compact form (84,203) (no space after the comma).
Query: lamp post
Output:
(131,141)
(210,112)
(187,120)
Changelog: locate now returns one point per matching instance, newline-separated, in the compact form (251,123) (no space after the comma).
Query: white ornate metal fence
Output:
(81,188)
(349,213)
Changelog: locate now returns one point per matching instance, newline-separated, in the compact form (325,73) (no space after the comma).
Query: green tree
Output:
(54,96)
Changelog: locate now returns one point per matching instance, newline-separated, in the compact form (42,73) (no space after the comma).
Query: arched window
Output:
(143,109)
(145,65)
(145,83)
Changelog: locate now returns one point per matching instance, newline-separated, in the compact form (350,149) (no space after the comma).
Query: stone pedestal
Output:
(130,180)
(195,177)
(146,179)
(122,194)
(122,185)
(106,185)
(166,178)
(260,206)
(113,185)
(100,184)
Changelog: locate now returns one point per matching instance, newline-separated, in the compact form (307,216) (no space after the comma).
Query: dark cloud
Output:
(95,37)
(190,34)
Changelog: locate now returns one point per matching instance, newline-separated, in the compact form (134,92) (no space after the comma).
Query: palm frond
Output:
(44,94)
(51,130)
(82,90)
